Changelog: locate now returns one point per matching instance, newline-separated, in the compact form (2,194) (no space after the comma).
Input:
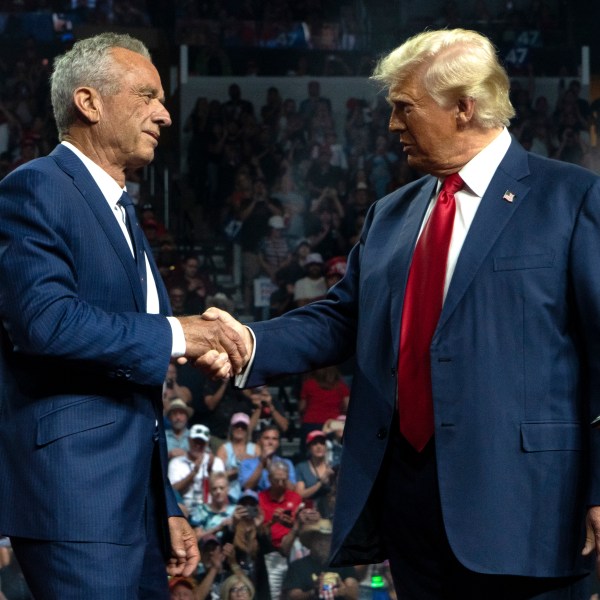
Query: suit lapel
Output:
(404,245)
(90,192)
(492,216)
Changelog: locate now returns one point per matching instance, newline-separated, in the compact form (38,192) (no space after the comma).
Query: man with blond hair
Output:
(471,302)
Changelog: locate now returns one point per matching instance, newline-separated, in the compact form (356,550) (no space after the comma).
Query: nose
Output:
(162,116)
(396,121)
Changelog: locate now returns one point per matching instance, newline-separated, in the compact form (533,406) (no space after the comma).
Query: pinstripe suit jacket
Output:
(81,362)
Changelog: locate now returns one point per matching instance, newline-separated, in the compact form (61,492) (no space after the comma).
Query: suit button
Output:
(382,433)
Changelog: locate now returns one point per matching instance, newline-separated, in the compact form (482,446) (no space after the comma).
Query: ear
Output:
(88,103)
(465,108)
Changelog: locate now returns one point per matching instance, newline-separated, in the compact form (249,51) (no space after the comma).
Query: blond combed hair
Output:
(455,63)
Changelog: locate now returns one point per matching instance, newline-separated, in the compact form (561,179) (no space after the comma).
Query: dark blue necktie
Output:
(137,239)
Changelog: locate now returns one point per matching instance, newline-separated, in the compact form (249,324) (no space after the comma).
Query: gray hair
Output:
(457,63)
(87,63)
(279,465)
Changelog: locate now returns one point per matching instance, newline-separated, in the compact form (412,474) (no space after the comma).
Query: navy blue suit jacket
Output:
(82,363)
(515,367)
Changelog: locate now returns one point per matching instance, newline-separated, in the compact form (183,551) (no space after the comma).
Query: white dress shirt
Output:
(476,174)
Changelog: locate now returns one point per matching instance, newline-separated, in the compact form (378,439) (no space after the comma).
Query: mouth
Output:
(153,135)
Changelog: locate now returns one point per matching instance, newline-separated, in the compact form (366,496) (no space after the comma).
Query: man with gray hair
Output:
(85,343)
(472,303)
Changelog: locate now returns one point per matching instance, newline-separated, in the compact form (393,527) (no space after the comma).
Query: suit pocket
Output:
(527,261)
(544,436)
(83,415)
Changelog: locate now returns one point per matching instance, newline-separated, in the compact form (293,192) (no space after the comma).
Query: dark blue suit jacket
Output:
(515,367)
(82,363)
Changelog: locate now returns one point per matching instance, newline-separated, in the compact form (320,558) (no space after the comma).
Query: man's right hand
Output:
(224,351)
(212,362)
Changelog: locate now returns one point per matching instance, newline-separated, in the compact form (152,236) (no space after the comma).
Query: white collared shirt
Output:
(476,174)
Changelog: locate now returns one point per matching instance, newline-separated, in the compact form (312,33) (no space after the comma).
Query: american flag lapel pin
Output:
(508,196)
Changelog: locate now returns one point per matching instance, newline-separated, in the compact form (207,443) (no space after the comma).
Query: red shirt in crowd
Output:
(289,501)
(323,404)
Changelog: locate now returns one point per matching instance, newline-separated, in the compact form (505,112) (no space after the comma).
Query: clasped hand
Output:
(216,343)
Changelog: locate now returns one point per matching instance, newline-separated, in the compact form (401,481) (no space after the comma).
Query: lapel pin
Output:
(508,196)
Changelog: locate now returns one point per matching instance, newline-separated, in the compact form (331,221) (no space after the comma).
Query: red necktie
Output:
(422,307)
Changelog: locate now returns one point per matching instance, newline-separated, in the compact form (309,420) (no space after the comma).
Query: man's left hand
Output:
(592,535)
(185,554)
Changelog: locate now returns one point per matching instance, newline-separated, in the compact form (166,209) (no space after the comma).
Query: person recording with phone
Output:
(250,542)
(279,503)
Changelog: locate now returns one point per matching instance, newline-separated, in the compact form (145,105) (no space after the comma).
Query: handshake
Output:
(216,343)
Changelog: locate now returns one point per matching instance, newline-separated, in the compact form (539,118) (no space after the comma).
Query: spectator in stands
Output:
(196,285)
(197,125)
(291,546)
(213,517)
(177,296)
(311,577)
(358,204)
(296,269)
(312,286)
(172,389)
(254,472)
(28,151)
(571,148)
(323,396)
(293,204)
(254,213)
(315,475)
(320,126)
(335,269)
(380,164)
(220,401)
(189,474)
(271,112)
(282,299)
(274,249)
(266,410)
(182,588)
(237,448)
(324,225)
(279,503)
(237,587)
(215,567)
(236,105)
(250,543)
(322,174)
(338,154)
(178,414)
(308,106)
(292,136)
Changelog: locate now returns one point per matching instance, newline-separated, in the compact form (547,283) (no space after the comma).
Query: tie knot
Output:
(452,183)
(125,200)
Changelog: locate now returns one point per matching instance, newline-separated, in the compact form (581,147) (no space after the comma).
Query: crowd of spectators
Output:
(291,187)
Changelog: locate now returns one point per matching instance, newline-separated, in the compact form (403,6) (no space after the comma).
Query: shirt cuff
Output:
(240,380)
(178,348)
